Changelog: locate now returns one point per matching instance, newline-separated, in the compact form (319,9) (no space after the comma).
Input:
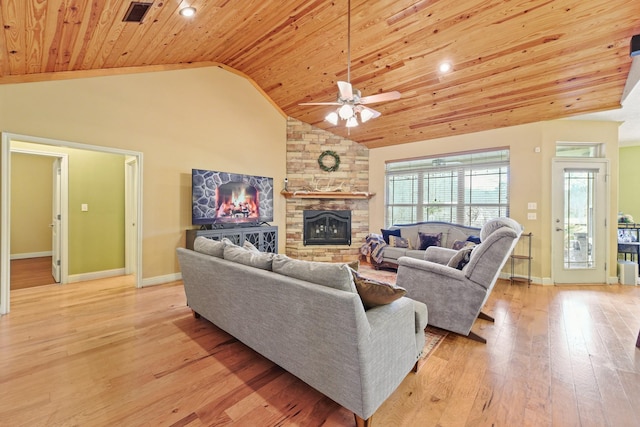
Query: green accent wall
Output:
(96,237)
(629,202)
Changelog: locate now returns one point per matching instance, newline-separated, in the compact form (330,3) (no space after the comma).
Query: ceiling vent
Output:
(136,11)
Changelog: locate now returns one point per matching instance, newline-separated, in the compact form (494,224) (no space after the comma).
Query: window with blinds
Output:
(467,188)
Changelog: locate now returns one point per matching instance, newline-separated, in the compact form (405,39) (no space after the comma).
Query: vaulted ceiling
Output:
(514,62)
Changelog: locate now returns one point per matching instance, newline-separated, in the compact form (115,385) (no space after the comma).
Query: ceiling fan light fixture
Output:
(352,122)
(332,118)
(365,115)
(346,112)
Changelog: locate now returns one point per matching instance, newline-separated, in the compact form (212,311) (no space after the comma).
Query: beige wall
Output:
(31,204)
(630,181)
(530,175)
(197,118)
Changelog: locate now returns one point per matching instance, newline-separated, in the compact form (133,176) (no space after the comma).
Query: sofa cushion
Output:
(387,233)
(398,242)
(209,247)
(374,292)
(337,276)
(394,253)
(429,239)
(249,246)
(261,260)
(461,258)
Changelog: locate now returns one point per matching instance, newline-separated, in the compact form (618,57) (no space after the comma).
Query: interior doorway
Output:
(135,252)
(58,224)
(579,215)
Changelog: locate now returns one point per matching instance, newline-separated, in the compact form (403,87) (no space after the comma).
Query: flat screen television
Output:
(230,198)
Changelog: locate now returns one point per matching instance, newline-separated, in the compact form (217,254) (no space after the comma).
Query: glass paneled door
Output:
(579,221)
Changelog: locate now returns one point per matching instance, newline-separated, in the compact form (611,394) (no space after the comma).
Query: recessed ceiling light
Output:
(188,11)
(445,67)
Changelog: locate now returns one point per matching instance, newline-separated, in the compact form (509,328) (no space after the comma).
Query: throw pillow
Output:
(461,258)
(374,292)
(429,239)
(208,246)
(387,233)
(474,239)
(398,242)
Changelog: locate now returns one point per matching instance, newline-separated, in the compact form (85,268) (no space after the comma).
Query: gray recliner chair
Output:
(454,288)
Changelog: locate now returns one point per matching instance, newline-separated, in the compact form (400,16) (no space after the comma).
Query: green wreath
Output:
(331,167)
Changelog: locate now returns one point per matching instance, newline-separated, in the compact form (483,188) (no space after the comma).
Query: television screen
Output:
(222,197)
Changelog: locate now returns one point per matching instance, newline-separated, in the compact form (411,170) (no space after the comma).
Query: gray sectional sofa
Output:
(385,254)
(308,318)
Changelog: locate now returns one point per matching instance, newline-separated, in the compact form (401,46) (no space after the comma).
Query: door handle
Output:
(559,229)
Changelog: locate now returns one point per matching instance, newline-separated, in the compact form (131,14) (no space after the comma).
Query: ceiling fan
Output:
(350,100)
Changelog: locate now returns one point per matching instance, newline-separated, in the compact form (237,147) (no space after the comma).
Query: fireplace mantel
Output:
(327,194)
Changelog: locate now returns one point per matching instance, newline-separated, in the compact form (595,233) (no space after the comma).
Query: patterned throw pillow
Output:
(398,242)
(374,292)
(387,233)
(428,239)
(461,258)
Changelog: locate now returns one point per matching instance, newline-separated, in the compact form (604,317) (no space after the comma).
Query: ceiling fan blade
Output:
(320,103)
(346,90)
(380,97)
(375,113)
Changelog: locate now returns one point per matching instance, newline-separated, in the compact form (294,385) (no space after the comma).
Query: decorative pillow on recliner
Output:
(387,233)
(374,292)
(474,239)
(398,242)
(429,239)
(461,258)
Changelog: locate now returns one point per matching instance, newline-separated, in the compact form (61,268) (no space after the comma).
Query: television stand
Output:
(265,238)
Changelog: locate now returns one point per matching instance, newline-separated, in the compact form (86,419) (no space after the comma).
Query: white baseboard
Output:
(161,280)
(31,255)
(73,278)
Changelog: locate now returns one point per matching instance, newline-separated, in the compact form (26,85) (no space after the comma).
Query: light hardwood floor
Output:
(102,353)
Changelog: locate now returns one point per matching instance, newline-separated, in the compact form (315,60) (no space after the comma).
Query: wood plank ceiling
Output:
(514,62)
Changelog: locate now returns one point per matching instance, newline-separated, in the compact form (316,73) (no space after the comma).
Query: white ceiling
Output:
(629,113)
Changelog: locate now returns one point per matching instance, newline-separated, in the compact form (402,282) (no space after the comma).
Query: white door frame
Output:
(602,222)
(5,208)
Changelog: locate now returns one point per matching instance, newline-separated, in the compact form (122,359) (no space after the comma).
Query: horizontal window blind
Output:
(466,188)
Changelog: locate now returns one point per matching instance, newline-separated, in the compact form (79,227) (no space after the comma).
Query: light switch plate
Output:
(532,206)
(531,215)
(84,207)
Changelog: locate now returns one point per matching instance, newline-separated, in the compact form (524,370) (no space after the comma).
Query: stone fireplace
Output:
(305,144)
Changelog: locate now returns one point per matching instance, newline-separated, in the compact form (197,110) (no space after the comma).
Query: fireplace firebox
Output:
(326,227)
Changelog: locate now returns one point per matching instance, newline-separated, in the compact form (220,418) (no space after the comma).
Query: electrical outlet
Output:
(531,215)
